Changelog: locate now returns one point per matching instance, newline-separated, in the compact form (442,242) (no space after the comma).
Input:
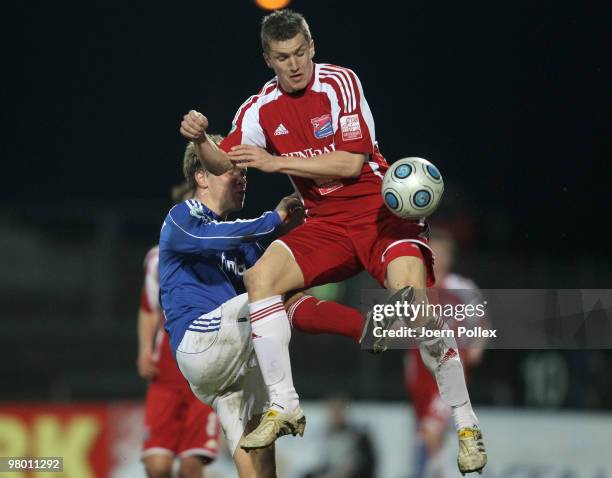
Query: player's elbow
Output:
(354,166)
(218,168)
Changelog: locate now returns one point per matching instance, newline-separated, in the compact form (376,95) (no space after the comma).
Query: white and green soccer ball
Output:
(412,188)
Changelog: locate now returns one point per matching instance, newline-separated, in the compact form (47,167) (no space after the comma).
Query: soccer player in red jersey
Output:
(312,122)
(177,424)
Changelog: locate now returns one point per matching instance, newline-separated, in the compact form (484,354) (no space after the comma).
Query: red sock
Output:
(314,316)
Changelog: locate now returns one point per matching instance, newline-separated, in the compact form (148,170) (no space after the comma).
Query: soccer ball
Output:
(412,188)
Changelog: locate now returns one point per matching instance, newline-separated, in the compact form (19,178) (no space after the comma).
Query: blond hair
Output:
(192,163)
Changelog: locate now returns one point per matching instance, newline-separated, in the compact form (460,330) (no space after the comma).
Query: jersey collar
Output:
(207,210)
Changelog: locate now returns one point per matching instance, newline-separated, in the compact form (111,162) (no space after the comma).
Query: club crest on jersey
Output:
(322,126)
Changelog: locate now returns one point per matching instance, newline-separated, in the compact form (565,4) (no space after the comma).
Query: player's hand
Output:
(193,126)
(289,206)
(249,156)
(147,368)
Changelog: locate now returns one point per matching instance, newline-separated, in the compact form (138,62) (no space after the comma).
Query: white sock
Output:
(442,358)
(271,334)
(464,416)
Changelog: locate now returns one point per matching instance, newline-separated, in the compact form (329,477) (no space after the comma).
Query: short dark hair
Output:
(283,25)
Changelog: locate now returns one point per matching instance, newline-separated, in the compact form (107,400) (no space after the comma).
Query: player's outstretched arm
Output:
(193,127)
(191,232)
(337,164)
(148,321)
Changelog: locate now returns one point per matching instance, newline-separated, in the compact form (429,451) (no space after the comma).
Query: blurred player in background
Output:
(315,120)
(432,415)
(177,424)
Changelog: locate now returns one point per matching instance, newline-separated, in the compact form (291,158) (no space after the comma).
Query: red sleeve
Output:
(245,126)
(353,121)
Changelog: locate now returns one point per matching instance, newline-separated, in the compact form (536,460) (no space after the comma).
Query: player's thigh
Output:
(395,251)
(213,360)
(323,252)
(236,406)
(275,273)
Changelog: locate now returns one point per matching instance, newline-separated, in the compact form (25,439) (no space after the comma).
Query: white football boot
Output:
(472,453)
(274,424)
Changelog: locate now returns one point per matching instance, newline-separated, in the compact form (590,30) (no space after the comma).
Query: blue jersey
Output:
(202,259)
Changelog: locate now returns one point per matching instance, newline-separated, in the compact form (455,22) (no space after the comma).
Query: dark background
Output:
(511,100)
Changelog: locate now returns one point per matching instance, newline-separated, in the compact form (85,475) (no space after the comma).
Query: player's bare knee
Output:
(406,271)
(158,466)
(257,280)
(190,467)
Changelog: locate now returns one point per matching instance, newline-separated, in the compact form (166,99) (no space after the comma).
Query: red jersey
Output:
(331,114)
(169,374)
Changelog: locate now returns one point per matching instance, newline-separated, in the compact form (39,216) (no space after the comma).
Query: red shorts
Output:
(328,251)
(177,423)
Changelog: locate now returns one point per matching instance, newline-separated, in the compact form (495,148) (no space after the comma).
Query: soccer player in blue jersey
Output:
(202,257)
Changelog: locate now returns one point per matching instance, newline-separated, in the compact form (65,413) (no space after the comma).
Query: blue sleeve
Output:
(188,233)
(252,253)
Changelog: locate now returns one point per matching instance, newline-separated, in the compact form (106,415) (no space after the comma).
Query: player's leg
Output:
(256,463)
(191,467)
(275,273)
(314,251)
(432,439)
(199,437)
(235,408)
(158,465)
(432,417)
(432,429)
(402,261)
(313,316)
(239,412)
(162,423)
(442,358)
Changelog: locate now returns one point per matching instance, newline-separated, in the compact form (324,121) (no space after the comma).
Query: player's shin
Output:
(271,335)
(313,316)
(441,356)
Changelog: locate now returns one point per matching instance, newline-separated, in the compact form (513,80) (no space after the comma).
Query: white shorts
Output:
(222,369)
